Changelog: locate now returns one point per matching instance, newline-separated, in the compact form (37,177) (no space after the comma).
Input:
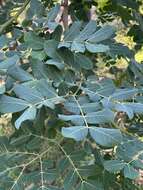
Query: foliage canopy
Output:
(73,127)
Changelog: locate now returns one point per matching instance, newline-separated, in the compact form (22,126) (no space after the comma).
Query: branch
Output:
(9,22)
(65,13)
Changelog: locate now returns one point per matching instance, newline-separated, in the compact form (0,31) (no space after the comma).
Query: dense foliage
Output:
(74,126)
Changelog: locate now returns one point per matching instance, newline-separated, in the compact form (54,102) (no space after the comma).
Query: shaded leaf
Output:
(114,165)
(83,61)
(130,172)
(33,41)
(56,63)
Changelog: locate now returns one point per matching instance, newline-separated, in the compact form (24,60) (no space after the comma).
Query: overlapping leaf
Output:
(89,38)
(30,97)
(129,162)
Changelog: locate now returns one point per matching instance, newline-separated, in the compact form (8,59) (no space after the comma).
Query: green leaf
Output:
(40,55)
(29,114)
(77,132)
(130,172)
(87,38)
(35,10)
(102,136)
(9,62)
(100,117)
(50,48)
(29,94)
(124,94)
(46,89)
(51,16)
(106,137)
(96,48)
(89,170)
(83,61)
(19,74)
(137,164)
(86,107)
(11,105)
(119,50)
(104,116)
(73,31)
(39,69)
(135,147)
(136,107)
(71,180)
(102,34)
(56,63)
(114,165)
(33,41)
(38,93)
(96,89)
(102,4)
(76,119)
(88,30)
(125,108)
(51,102)
(3,41)
(91,185)
(78,46)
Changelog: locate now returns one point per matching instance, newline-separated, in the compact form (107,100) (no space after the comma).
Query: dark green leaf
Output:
(33,41)
(83,61)
(114,165)
(130,172)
